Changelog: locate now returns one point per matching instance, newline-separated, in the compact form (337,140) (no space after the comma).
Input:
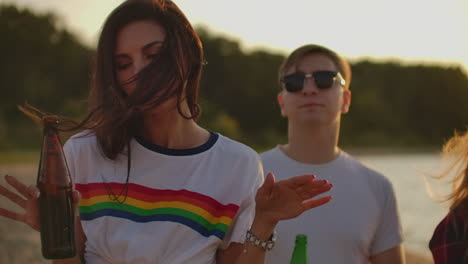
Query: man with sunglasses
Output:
(361,224)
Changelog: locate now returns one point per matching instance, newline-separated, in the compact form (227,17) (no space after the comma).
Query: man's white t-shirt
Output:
(360,221)
(179,206)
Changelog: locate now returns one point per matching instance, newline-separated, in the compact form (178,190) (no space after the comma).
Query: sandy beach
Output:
(19,244)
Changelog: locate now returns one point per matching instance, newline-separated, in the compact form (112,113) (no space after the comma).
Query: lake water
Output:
(419,213)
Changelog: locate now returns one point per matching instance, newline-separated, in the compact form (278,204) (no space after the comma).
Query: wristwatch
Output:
(265,244)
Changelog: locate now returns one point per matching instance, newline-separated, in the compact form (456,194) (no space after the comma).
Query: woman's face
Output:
(138,43)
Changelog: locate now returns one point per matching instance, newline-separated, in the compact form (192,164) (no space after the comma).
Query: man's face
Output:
(313,105)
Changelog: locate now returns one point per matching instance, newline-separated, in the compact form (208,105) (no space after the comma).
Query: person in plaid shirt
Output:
(449,243)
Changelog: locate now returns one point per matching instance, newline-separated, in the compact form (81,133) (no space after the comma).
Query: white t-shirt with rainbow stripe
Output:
(179,206)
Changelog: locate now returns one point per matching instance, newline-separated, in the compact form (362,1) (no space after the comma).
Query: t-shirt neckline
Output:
(179,152)
(311,165)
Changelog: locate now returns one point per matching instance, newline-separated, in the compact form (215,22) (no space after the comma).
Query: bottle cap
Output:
(301,238)
(50,119)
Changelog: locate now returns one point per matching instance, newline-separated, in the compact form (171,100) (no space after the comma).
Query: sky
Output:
(409,31)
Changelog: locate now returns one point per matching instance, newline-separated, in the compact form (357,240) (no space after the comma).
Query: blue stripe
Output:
(153,218)
(180,152)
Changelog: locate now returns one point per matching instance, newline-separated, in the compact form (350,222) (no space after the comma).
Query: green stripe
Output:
(147,212)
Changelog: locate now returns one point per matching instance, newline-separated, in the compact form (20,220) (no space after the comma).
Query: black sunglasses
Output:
(323,80)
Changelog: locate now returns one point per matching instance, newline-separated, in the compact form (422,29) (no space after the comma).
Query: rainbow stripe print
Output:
(197,211)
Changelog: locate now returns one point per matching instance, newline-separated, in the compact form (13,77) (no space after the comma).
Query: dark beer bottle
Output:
(299,255)
(55,201)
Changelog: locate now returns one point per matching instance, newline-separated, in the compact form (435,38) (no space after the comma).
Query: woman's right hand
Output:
(28,200)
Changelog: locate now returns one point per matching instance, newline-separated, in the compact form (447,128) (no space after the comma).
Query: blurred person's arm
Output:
(394,255)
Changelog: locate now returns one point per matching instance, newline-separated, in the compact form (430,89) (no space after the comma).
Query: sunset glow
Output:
(415,31)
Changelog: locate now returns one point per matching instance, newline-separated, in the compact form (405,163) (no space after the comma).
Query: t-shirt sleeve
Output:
(389,232)
(246,213)
(69,156)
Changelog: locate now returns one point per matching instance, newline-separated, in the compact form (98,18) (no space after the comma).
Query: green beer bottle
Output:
(299,255)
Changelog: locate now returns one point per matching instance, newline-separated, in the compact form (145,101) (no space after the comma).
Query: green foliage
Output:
(19,157)
(405,105)
(217,120)
(43,65)
(392,105)
(244,86)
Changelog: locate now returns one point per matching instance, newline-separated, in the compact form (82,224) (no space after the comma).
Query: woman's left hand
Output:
(289,198)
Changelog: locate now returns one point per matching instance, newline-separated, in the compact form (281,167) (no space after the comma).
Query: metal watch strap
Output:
(265,244)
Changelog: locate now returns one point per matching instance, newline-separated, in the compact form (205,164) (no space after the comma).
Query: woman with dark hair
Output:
(156,187)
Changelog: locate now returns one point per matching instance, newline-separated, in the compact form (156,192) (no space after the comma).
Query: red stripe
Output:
(146,194)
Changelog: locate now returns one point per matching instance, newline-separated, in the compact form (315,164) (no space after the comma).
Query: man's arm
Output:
(395,255)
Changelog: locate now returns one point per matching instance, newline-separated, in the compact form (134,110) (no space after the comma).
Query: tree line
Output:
(48,66)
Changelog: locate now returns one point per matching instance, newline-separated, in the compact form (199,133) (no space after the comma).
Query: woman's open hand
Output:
(28,199)
(289,198)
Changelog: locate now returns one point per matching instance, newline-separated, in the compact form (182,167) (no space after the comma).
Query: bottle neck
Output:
(301,239)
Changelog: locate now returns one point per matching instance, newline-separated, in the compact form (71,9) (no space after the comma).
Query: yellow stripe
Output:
(145,205)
